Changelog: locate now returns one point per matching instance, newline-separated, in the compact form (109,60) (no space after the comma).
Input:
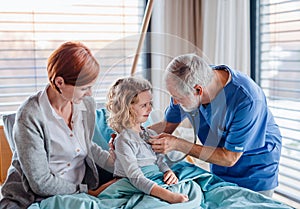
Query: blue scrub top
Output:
(239,120)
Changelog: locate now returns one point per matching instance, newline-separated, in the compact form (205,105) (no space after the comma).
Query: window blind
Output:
(278,57)
(31,30)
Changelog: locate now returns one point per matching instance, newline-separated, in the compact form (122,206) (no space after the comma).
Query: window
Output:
(278,73)
(31,30)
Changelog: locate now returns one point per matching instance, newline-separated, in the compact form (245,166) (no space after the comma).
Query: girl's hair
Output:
(185,71)
(122,94)
(74,62)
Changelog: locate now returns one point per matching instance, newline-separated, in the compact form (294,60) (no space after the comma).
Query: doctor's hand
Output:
(164,143)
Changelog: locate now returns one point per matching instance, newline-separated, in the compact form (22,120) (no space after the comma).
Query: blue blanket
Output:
(204,189)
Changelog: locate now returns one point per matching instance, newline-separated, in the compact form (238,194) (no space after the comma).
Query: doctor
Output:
(238,134)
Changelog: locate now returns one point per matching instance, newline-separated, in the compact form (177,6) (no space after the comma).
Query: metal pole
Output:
(145,24)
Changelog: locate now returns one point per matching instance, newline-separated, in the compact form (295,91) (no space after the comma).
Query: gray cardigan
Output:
(29,178)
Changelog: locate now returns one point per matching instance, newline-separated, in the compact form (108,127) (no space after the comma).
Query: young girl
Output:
(129,104)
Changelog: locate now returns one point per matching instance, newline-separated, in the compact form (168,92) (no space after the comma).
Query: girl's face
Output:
(143,108)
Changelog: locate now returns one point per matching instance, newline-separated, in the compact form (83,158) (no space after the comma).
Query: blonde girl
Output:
(129,104)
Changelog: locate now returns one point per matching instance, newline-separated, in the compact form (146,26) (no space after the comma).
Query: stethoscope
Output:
(193,115)
(146,136)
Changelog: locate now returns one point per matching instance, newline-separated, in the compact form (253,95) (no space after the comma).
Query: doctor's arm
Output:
(165,143)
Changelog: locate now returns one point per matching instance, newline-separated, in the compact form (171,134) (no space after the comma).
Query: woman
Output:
(52,134)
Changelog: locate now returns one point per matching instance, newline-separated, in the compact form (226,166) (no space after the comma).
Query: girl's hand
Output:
(170,177)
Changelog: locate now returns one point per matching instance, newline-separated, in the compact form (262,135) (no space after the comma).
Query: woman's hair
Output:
(185,71)
(74,62)
(122,94)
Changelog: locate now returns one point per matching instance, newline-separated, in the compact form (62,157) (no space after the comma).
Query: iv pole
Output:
(145,24)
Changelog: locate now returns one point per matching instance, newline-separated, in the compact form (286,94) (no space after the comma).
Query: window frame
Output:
(33,53)
(256,73)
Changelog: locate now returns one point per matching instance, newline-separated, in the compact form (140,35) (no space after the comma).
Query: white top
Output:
(68,147)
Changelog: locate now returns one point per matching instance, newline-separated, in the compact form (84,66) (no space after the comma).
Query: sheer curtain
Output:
(175,29)
(226,33)
(217,30)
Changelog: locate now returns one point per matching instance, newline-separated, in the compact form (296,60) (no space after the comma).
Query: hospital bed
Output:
(205,190)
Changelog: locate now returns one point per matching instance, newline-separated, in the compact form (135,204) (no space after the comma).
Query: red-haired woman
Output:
(52,133)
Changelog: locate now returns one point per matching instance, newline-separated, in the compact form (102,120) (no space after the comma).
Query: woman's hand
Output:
(112,147)
(170,177)
(111,141)
(100,189)
(164,143)
(112,154)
